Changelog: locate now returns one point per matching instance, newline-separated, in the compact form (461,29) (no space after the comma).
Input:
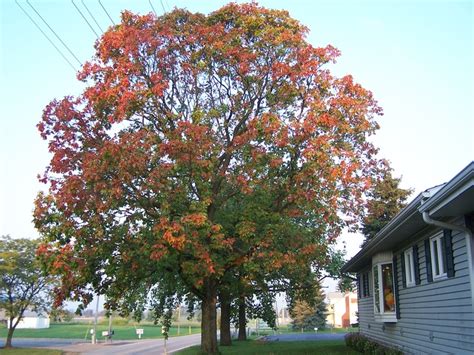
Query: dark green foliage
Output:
(385,200)
(346,284)
(366,345)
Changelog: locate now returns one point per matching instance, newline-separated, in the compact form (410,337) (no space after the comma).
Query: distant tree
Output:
(22,285)
(346,284)
(88,313)
(61,315)
(307,315)
(386,199)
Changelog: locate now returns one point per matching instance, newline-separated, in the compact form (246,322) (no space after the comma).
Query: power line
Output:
(80,12)
(59,38)
(152,8)
(90,13)
(161,1)
(107,13)
(47,37)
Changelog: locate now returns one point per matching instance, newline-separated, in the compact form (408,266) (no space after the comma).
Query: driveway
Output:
(118,347)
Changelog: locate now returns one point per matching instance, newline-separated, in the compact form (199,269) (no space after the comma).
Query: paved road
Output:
(305,337)
(118,347)
(41,342)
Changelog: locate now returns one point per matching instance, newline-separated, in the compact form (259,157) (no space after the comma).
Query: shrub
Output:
(365,345)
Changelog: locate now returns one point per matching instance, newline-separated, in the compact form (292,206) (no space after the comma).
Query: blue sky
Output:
(415,56)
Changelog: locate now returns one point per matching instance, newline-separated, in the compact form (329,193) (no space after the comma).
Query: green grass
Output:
(82,331)
(30,351)
(327,347)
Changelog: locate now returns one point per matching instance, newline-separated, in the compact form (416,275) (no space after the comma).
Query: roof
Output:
(33,314)
(454,198)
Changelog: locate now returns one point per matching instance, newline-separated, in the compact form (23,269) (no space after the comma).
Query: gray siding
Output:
(436,317)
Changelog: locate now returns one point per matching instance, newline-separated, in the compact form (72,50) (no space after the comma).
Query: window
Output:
(384,299)
(409,267)
(384,288)
(387,286)
(439,256)
(438,266)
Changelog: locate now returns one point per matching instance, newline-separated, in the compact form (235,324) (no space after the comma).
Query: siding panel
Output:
(436,317)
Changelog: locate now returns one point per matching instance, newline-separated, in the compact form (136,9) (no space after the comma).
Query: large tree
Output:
(188,116)
(22,285)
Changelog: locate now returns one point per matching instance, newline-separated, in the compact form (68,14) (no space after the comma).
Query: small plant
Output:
(366,345)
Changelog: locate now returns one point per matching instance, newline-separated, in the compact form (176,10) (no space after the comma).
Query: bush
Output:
(365,345)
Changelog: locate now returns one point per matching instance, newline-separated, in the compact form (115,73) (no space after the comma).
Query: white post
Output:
(179,316)
(94,336)
(110,326)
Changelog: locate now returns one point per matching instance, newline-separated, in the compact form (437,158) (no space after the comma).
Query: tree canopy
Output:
(22,285)
(203,147)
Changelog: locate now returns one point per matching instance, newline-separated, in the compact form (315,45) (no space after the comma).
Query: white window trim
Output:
(409,267)
(439,255)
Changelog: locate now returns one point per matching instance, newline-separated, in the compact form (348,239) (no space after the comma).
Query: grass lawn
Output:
(327,347)
(30,351)
(82,331)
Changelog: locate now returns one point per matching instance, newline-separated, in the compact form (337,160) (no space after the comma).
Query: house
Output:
(341,309)
(416,278)
(31,320)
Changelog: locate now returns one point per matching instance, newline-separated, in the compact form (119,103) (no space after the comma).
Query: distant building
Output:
(283,317)
(3,317)
(31,320)
(341,309)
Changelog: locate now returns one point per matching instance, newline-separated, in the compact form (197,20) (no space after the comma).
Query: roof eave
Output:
(457,185)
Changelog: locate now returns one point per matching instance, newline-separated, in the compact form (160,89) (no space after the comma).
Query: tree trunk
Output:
(226,339)
(8,343)
(209,318)
(242,319)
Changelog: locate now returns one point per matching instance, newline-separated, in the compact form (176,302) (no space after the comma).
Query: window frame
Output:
(438,257)
(409,267)
(380,314)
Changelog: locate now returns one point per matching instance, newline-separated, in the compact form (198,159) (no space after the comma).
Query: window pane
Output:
(409,269)
(412,268)
(441,256)
(435,257)
(387,285)
(376,289)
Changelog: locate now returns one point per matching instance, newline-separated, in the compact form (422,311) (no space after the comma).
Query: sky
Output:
(415,56)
